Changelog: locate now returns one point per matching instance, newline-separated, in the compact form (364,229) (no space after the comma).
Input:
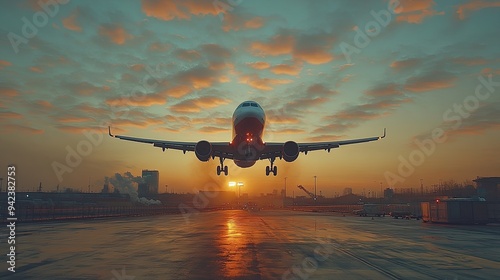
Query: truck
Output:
(371,210)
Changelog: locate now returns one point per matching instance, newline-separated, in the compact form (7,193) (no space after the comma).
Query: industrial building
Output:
(151,180)
(488,188)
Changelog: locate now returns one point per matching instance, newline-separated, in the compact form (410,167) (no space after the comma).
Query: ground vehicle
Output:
(371,210)
(400,214)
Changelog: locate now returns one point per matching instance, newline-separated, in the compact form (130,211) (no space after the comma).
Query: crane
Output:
(308,192)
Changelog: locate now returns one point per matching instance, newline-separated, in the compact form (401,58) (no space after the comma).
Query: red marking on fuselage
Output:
(247,141)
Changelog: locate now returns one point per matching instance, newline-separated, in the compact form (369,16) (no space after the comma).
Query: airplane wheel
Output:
(267,170)
(275,170)
(225,170)
(218,170)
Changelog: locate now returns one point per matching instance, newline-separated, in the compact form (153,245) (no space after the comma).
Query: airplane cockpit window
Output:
(246,104)
(254,105)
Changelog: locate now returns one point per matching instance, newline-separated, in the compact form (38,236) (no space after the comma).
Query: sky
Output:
(428,71)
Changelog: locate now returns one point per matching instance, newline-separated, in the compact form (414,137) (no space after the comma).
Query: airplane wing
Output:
(219,149)
(275,149)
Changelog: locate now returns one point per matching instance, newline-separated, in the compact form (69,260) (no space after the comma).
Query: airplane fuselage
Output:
(248,120)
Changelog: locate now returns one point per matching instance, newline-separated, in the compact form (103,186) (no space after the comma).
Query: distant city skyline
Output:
(427,71)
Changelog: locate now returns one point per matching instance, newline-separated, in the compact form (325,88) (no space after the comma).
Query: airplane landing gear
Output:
(271,169)
(221,168)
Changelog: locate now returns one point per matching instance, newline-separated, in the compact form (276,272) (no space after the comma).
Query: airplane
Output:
(247,146)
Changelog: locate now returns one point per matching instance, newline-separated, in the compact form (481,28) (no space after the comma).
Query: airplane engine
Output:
(290,151)
(203,150)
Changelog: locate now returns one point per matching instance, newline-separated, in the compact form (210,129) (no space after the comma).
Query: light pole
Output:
(1,180)
(285,187)
(315,196)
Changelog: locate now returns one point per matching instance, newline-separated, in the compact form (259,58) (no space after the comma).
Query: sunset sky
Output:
(176,70)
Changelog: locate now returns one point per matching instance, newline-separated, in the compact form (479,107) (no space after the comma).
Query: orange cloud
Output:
(8,92)
(237,22)
(325,138)
(143,100)
(80,129)
(85,88)
(188,55)
(429,82)
(414,11)
(262,83)
(470,61)
(319,90)
(199,77)
(44,104)
(260,65)
(407,63)
(22,129)
(36,69)
(198,104)
(475,5)
(284,69)
(212,129)
(10,115)
(177,9)
(114,33)
(71,23)
(4,63)
(384,90)
(72,119)
(137,67)
(178,91)
(278,45)
(314,55)
(159,47)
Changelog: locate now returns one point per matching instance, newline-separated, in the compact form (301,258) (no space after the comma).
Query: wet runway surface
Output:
(235,244)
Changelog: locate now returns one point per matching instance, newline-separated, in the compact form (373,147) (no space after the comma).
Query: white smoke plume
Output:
(125,184)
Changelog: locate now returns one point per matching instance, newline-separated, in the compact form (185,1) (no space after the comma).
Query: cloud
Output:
(85,88)
(137,67)
(278,45)
(470,61)
(4,63)
(413,11)
(82,129)
(284,69)
(71,22)
(259,65)
(474,5)
(8,92)
(353,116)
(44,104)
(198,77)
(178,9)
(143,100)
(406,63)
(21,128)
(36,69)
(429,82)
(114,33)
(74,119)
(10,115)
(325,138)
(384,90)
(159,47)
(235,22)
(178,91)
(213,129)
(262,83)
(188,55)
(311,48)
(318,90)
(196,105)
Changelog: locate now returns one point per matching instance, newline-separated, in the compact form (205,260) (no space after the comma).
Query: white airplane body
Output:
(247,145)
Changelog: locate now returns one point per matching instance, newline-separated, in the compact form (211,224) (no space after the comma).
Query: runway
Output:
(235,244)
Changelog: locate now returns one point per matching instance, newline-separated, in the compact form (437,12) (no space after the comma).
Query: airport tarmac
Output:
(235,244)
